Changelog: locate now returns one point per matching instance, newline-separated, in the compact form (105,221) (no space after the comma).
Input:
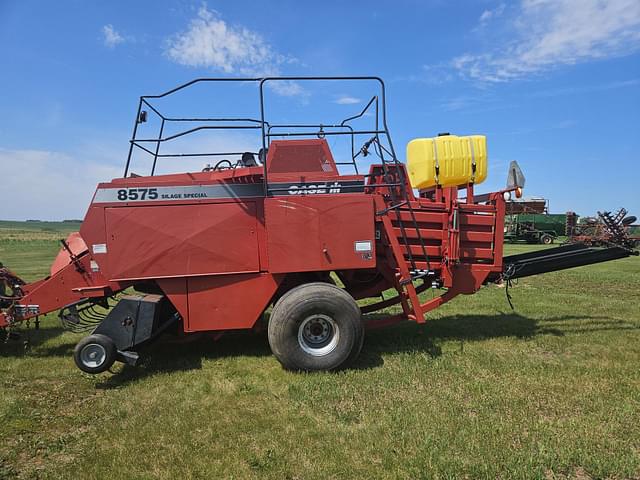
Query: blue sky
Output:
(554,84)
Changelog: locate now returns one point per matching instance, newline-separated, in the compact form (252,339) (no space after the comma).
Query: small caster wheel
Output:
(95,353)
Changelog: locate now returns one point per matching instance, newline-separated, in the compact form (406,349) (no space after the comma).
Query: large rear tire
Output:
(316,326)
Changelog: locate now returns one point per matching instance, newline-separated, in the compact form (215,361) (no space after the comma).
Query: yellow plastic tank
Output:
(447,160)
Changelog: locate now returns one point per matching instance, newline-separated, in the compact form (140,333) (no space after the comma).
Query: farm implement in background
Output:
(606,229)
(210,251)
(528,220)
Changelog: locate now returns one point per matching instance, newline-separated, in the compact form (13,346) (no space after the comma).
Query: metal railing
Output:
(268,130)
(378,136)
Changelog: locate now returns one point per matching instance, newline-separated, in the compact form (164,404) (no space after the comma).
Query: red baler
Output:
(211,251)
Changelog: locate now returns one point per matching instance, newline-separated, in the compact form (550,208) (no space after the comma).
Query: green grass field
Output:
(550,390)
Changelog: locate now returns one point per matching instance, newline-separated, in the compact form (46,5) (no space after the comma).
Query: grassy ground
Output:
(550,390)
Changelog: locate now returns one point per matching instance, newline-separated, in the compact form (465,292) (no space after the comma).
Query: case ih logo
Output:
(311,189)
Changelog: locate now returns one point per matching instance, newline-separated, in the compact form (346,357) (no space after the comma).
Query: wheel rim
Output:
(93,355)
(318,335)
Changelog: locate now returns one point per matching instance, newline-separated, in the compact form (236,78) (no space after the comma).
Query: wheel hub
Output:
(93,355)
(318,335)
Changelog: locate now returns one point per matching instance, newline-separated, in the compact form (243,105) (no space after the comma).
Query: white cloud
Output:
(346,100)
(213,43)
(111,37)
(210,42)
(59,186)
(552,33)
(488,15)
(287,88)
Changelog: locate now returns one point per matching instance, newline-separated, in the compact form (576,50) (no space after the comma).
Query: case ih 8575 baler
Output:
(211,251)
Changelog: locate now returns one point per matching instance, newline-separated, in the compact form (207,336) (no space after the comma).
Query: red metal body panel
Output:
(176,290)
(54,290)
(62,288)
(220,302)
(319,232)
(182,240)
(76,245)
(228,302)
(301,156)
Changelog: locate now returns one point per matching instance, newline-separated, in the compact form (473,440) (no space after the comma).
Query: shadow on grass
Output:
(167,355)
(164,357)
(411,337)
(34,339)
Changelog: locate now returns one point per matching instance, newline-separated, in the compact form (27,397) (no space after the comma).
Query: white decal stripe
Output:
(163,194)
(202,192)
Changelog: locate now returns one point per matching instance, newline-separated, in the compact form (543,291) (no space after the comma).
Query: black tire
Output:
(316,326)
(95,354)
(546,239)
(357,347)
